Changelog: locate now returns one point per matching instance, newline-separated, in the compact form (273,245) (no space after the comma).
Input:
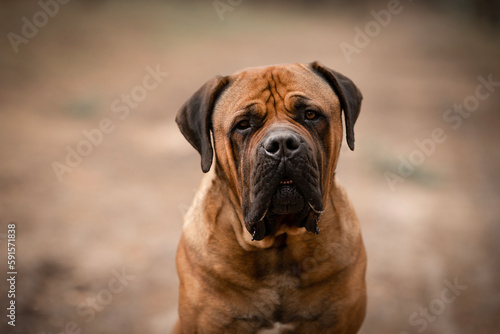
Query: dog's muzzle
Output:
(285,181)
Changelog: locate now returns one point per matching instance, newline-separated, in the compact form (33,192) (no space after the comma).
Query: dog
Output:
(271,239)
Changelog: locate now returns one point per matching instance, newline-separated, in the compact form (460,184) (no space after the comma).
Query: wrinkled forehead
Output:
(273,86)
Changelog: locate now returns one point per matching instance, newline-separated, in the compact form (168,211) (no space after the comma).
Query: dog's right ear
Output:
(195,118)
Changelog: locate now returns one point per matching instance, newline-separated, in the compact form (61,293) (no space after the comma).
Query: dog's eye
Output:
(311,115)
(243,125)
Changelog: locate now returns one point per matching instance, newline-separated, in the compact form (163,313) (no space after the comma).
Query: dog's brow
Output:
(299,97)
(299,101)
(251,108)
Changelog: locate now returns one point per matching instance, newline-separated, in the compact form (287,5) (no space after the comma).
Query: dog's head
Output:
(277,133)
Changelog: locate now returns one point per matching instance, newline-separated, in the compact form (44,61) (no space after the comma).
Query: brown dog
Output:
(251,256)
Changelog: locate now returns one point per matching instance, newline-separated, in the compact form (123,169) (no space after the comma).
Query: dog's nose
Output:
(282,143)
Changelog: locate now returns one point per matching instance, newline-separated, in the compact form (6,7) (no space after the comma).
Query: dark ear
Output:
(349,95)
(194,119)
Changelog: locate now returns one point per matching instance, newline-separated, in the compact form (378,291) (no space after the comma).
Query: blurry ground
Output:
(121,208)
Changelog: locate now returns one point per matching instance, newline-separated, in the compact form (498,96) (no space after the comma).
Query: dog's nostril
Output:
(292,144)
(272,146)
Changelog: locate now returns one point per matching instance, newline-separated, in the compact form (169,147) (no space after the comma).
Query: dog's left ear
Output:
(349,95)
(195,118)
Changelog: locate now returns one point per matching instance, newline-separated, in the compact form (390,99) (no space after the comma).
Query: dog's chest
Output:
(279,294)
(277,303)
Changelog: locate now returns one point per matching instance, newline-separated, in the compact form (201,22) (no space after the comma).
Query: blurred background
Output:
(97,177)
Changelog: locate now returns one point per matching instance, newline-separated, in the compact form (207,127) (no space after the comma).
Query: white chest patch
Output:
(277,329)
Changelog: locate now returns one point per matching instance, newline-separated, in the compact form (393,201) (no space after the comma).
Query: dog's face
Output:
(277,134)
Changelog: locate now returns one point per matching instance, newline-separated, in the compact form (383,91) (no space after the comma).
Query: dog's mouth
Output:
(288,206)
(287,199)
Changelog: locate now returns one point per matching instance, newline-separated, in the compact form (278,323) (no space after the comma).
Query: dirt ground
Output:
(96,245)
